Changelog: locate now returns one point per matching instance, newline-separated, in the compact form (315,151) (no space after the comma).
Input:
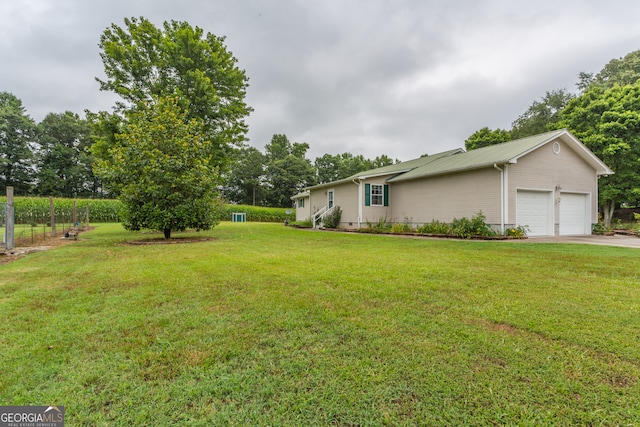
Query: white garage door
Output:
(534,209)
(574,214)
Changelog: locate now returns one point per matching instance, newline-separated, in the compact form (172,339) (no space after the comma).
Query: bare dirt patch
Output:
(171,241)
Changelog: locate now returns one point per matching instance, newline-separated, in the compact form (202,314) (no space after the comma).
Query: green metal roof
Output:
(395,169)
(404,166)
(507,152)
(458,160)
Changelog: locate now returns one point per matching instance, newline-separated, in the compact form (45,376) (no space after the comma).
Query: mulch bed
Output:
(626,232)
(172,241)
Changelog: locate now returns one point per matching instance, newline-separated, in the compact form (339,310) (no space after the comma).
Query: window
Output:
(330,199)
(301,203)
(376,194)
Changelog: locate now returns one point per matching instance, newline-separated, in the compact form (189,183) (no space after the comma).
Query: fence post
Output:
(9,229)
(52,215)
(75,217)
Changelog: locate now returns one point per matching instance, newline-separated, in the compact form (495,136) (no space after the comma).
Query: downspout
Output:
(502,204)
(359,184)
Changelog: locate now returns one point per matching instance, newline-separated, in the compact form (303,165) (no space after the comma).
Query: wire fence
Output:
(35,227)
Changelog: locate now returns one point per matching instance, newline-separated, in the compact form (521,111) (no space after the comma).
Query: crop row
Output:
(259,213)
(35,210)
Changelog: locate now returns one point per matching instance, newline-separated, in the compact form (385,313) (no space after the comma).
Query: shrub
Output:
(476,226)
(332,220)
(435,227)
(600,228)
(401,227)
(382,226)
(519,232)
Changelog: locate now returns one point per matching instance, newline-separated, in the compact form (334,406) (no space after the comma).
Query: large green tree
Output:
(486,137)
(620,71)
(105,126)
(334,167)
(142,62)
(163,168)
(17,132)
(64,165)
(608,122)
(382,161)
(288,171)
(542,116)
(245,183)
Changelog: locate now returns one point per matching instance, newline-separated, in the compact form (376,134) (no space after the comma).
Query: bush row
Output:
(467,228)
(35,210)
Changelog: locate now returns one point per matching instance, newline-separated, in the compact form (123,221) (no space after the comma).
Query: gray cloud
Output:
(400,78)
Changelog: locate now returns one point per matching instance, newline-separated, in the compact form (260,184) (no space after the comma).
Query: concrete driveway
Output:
(615,240)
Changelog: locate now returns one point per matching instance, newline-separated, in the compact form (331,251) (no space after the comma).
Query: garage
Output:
(575,218)
(534,209)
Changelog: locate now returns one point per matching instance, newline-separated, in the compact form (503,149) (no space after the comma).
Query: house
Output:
(546,182)
(302,205)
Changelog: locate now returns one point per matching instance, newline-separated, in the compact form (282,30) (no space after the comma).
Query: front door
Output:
(329,199)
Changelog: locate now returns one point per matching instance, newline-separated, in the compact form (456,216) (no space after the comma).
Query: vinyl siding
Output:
(303,213)
(345,196)
(446,197)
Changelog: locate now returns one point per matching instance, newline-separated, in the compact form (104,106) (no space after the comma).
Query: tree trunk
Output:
(608,209)
(167,233)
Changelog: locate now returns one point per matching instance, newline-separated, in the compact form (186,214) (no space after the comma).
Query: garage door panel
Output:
(574,214)
(534,209)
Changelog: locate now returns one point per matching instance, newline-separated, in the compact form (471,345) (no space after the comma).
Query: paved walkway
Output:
(616,240)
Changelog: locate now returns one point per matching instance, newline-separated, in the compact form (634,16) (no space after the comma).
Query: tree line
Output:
(604,113)
(49,158)
(56,157)
(283,170)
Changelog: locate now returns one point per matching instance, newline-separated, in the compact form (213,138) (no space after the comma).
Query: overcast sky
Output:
(396,77)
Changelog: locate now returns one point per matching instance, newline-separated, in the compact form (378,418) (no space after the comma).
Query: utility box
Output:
(239,217)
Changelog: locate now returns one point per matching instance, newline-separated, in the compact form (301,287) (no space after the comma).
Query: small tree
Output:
(161,167)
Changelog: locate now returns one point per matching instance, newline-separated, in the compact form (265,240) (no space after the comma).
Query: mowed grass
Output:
(271,325)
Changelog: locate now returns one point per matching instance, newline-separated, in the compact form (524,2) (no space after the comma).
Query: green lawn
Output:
(271,325)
